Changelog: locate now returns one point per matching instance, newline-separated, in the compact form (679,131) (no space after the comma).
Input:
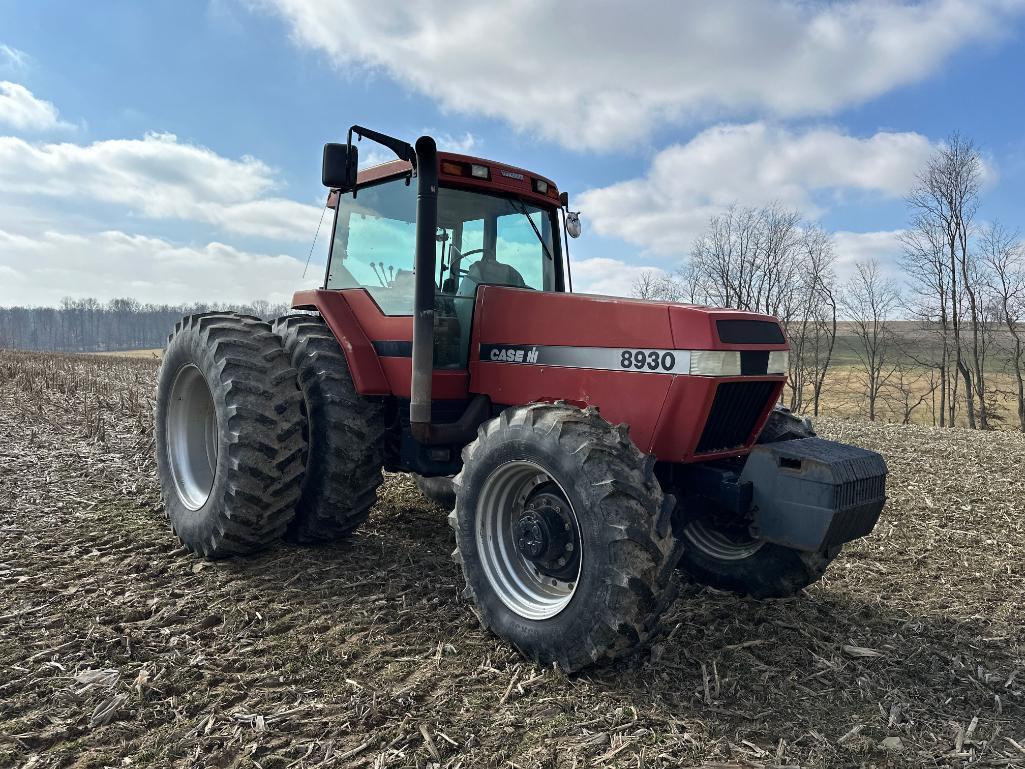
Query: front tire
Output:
(345,432)
(228,434)
(722,554)
(564,535)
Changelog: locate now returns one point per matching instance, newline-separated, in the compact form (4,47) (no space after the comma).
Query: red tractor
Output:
(588,446)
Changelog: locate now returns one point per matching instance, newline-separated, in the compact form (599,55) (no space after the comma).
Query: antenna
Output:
(314,243)
(379,278)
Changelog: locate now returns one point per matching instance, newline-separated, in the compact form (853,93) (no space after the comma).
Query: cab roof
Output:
(501,177)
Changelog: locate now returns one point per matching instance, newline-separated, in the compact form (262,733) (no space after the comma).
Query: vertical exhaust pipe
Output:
(423,298)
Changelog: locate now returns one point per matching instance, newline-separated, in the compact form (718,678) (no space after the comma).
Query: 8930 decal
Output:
(598,358)
(648,360)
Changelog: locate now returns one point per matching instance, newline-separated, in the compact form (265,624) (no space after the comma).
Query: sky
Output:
(170,151)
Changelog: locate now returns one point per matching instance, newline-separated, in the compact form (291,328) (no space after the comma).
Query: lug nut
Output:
(561,562)
(569,547)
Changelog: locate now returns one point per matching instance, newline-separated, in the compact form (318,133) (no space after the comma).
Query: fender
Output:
(364,364)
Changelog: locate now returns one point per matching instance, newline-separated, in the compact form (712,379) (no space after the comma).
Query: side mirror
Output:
(573,224)
(339,168)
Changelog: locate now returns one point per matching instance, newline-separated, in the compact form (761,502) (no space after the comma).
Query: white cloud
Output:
(611,277)
(466,144)
(12,57)
(22,111)
(884,246)
(45,268)
(751,164)
(603,74)
(161,178)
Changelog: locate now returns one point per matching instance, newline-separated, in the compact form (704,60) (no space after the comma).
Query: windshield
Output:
(481,238)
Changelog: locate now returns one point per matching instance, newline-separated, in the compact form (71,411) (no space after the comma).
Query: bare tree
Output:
(1004,256)
(653,284)
(928,301)
(812,324)
(747,259)
(943,203)
(87,325)
(645,285)
(910,387)
(869,301)
(767,260)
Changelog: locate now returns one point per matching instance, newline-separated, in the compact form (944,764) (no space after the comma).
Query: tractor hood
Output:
(656,366)
(509,316)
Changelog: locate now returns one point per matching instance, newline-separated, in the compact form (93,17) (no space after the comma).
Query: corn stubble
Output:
(116,644)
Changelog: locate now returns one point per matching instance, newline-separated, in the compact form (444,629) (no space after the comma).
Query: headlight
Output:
(715,363)
(779,362)
(727,363)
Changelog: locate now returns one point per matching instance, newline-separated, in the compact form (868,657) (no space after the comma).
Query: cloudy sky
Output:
(170,151)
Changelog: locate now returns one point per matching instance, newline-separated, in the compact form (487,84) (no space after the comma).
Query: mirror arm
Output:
(402,149)
(565,251)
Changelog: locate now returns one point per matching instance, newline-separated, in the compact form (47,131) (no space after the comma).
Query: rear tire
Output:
(609,600)
(727,558)
(228,434)
(345,432)
(440,490)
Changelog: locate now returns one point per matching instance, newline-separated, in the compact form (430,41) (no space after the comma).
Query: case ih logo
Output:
(514,354)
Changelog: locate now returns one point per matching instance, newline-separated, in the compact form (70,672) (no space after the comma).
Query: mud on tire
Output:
(627,547)
(344,429)
(228,434)
(716,558)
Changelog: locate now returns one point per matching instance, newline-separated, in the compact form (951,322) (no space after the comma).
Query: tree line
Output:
(88,325)
(948,339)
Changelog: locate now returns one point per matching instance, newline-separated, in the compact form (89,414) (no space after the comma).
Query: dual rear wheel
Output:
(260,434)
(229,437)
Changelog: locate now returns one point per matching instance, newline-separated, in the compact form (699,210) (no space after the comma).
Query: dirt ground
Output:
(117,648)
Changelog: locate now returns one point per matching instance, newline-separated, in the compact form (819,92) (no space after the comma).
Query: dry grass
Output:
(117,647)
(844,396)
(154,353)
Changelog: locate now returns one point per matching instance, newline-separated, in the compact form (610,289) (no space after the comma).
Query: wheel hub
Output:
(545,535)
(543,532)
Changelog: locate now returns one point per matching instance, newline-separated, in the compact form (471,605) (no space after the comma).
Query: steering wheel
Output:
(462,255)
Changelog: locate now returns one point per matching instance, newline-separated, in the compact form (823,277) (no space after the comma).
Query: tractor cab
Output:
(496,225)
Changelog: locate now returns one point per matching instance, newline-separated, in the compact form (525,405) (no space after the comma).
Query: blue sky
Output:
(171,150)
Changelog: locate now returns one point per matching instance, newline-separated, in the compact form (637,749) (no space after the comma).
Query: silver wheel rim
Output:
(192,437)
(520,585)
(716,544)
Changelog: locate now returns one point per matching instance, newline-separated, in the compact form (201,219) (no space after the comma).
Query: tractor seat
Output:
(494,272)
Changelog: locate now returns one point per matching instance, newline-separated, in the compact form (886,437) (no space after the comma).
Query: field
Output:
(145,353)
(118,648)
(844,396)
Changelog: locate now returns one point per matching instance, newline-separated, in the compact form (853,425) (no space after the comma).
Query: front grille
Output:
(734,413)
